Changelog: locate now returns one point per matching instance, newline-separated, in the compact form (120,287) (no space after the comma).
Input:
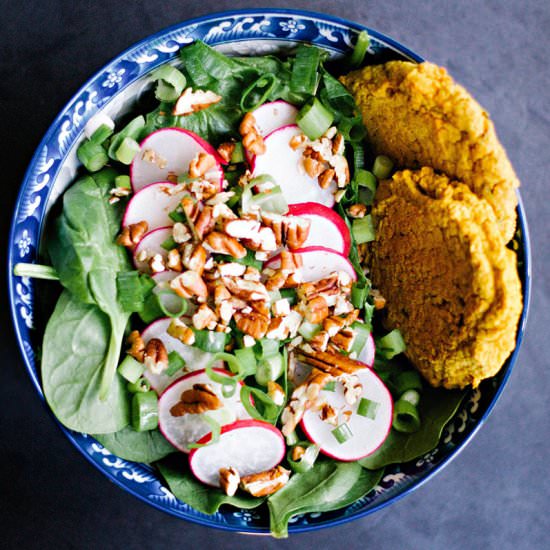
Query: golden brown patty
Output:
(451,285)
(416,114)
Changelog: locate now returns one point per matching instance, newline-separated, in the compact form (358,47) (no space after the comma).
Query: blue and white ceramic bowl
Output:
(114,90)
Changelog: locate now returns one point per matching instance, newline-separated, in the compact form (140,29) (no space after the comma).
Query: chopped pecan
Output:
(248,124)
(156,263)
(199,399)
(173,261)
(179,330)
(326,178)
(314,168)
(333,324)
(137,346)
(131,234)
(357,210)
(221,293)
(201,164)
(290,262)
(297,452)
(231,269)
(276,280)
(150,155)
(246,290)
(278,329)
(341,170)
(241,228)
(344,339)
(293,280)
(263,241)
(192,101)
(196,260)
(338,144)
(254,324)
(297,141)
(155,356)
(225,150)
(319,341)
(316,310)
(276,393)
(275,223)
(191,208)
(328,414)
(205,222)
(342,306)
(225,244)
(331,363)
(296,231)
(204,317)
(180,233)
(280,308)
(265,483)
(378,299)
(229,480)
(189,284)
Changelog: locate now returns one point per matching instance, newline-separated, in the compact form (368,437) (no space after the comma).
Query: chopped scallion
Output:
(330,386)
(208,340)
(362,333)
(408,380)
(92,155)
(305,76)
(142,385)
(363,230)
(175,363)
(170,303)
(412,396)
(101,134)
(391,344)
(405,417)
(144,411)
(360,49)
(367,408)
(169,243)
(177,215)
(314,119)
(353,129)
(127,150)
(123,181)
(258,92)
(359,293)
(382,167)
(35,271)
(246,361)
(170,83)
(269,369)
(215,428)
(129,290)
(269,410)
(342,433)
(238,153)
(306,461)
(309,330)
(130,369)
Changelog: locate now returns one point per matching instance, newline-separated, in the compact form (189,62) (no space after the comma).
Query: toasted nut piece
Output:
(326,178)
(333,325)
(330,133)
(252,274)
(261,307)
(316,310)
(331,363)
(275,223)
(191,208)
(297,452)
(173,261)
(204,317)
(352,389)
(276,281)
(290,262)
(156,264)
(137,346)
(263,241)
(221,293)
(378,299)
(254,143)
(131,234)
(297,140)
(293,280)
(197,260)
(229,480)
(276,393)
(225,310)
(225,150)
(199,399)
(225,244)
(155,356)
(351,317)
(248,124)
(357,210)
(277,329)
(253,324)
(296,232)
(341,169)
(342,306)
(306,291)
(338,144)
(205,222)
(246,290)
(265,483)
(328,414)
(189,284)
(281,307)
(202,163)
(344,339)
(179,330)
(150,155)
(180,233)
(313,168)
(192,101)
(319,341)
(241,228)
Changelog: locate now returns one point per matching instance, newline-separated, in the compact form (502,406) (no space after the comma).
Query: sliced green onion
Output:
(362,333)
(405,417)
(127,150)
(391,344)
(141,385)
(359,293)
(305,77)
(368,312)
(261,179)
(101,134)
(330,386)
(367,408)
(270,410)
(408,380)
(151,310)
(177,216)
(368,182)
(363,230)
(269,369)
(258,92)
(382,167)
(267,347)
(314,119)
(35,271)
(170,303)
(216,430)
(147,283)
(358,155)
(342,433)
(353,130)
(291,438)
(306,461)
(130,369)
(123,181)
(412,396)
(92,155)
(169,243)
(309,330)
(290,295)
(132,130)
(129,291)
(228,383)
(246,361)
(170,83)
(237,155)
(144,411)
(271,201)
(211,341)
(175,363)
(360,49)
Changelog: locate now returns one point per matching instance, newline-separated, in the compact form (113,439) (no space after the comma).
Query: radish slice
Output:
(367,353)
(285,166)
(181,431)
(195,359)
(165,277)
(249,446)
(327,228)
(152,204)
(318,262)
(273,115)
(367,434)
(174,148)
(151,243)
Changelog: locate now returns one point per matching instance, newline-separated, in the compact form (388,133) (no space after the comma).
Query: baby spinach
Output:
(436,408)
(128,444)
(73,360)
(329,485)
(87,259)
(199,496)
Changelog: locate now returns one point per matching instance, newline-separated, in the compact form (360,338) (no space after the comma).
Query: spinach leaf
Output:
(84,254)
(73,358)
(128,444)
(329,485)
(190,490)
(436,408)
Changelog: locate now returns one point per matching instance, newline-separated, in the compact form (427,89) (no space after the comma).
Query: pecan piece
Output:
(344,339)
(326,178)
(173,261)
(265,483)
(155,356)
(357,210)
(296,231)
(179,330)
(137,346)
(229,480)
(224,244)
(328,414)
(201,164)
(225,150)
(199,399)
(316,310)
(276,393)
(189,284)
(254,324)
(192,101)
(204,317)
(131,234)
(205,222)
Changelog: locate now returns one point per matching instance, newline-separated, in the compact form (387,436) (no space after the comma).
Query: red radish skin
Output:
(285,166)
(195,359)
(358,446)
(152,204)
(151,242)
(318,262)
(177,147)
(326,226)
(274,115)
(250,446)
(183,430)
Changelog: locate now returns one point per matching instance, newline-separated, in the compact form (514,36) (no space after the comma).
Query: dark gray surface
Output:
(496,493)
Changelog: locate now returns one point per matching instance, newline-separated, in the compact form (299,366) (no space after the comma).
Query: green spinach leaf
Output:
(329,485)
(73,358)
(190,490)
(128,444)
(436,408)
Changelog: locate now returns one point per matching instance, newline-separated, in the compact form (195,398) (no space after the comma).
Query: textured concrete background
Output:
(496,494)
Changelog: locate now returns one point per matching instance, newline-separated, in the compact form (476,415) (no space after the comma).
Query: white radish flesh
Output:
(249,446)
(195,359)
(149,246)
(327,228)
(169,151)
(367,433)
(285,166)
(152,204)
(273,115)
(182,431)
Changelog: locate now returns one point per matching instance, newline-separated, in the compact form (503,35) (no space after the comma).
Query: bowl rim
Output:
(210,521)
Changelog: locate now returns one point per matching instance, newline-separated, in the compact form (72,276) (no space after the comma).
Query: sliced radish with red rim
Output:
(365,433)
(150,245)
(182,431)
(172,149)
(273,115)
(249,446)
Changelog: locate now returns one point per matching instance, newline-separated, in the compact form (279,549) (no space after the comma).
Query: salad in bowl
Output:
(217,322)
